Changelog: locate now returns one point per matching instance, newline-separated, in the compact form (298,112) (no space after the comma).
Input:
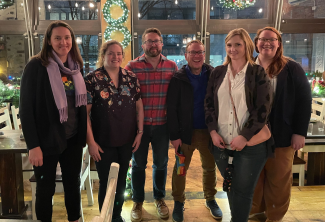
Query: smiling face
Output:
(61,42)
(113,56)
(152,45)
(235,48)
(268,48)
(194,56)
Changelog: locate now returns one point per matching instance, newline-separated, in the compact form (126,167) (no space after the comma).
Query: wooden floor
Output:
(307,203)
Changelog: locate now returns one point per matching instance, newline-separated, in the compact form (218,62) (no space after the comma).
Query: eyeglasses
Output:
(268,40)
(149,42)
(193,53)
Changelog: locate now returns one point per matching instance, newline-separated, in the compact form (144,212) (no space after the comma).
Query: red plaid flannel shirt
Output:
(154,85)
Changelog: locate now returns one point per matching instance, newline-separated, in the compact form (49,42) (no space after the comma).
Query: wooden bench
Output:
(299,167)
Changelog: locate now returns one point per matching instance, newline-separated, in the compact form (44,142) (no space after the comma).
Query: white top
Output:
(273,80)
(226,120)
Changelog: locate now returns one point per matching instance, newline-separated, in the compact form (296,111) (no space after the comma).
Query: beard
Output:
(149,53)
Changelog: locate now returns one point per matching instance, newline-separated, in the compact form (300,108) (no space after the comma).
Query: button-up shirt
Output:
(227,125)
(113,111)
(154,84)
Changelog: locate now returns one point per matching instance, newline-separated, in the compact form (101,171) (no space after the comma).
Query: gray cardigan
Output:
(258,99)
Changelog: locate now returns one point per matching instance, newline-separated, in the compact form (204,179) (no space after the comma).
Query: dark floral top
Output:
(113,112)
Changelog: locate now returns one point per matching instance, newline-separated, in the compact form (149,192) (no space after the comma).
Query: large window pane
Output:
(308,50)
(303,9)
(174,47)
(12,10)
(167,9)
(88,46)
(68,10)
(238,9)
(218,49)
(12,58)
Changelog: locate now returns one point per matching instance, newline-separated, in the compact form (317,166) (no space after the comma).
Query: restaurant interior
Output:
(22,27)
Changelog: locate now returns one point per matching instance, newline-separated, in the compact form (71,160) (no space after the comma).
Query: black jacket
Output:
(180,101)
(39,115)
(291,107)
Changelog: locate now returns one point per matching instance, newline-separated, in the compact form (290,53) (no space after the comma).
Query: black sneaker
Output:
(178,212)
(215,210)
(118,219)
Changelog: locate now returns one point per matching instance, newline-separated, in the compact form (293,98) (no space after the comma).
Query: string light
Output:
(91,5)
(116,24)
(76,5)
(49,7)
(176,2)
(83,8)
(237,4)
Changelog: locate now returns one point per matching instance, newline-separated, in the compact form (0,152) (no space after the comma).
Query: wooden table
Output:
(11,175)
(315,147)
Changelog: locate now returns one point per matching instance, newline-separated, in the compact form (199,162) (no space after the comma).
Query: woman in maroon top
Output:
(115,123)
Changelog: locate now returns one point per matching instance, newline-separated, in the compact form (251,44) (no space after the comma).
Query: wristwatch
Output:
(140,131)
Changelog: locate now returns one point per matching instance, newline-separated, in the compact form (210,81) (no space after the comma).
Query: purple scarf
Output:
(54,70)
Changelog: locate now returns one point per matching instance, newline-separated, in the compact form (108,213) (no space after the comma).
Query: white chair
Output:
(5,118)
(299,167)
(15,119)
(107,209)
(84,180)
(318,109)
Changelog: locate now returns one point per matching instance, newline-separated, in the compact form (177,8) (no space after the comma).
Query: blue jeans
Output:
(248,165)
(158,136)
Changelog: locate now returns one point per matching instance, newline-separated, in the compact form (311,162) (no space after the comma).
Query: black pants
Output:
(70,162)
(122,156)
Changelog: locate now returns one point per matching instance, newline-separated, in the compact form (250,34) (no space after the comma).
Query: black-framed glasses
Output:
(267,40)
(150,42)
(193,53)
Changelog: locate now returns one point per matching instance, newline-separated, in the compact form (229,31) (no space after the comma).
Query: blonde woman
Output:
(237,105)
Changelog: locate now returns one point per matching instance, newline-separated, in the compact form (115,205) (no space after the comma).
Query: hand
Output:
(94,150)
(238,143)
(36,156)
(297,141)
(137,142)
(217,139)
(176,143)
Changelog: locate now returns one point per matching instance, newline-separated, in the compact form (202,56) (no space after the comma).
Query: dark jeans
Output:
(122,156)
(70,162)
(159,137)
(248,165)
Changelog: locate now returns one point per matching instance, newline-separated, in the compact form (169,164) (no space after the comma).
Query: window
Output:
(167,10)
(12,10)
(303,9)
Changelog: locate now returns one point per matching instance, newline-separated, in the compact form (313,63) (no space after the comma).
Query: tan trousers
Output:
(273,189)
(200,141)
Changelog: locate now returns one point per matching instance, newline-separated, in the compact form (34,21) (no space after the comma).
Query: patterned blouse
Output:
(113,112)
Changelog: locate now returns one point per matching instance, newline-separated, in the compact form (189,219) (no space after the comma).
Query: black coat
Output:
(39,115)
(180,102)
(291,107)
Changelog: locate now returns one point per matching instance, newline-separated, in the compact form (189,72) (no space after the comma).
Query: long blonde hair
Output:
(249,45)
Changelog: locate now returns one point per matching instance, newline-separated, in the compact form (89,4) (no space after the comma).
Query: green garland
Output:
(6,3)
(107,12)
(123,29)
(237,4)
(116,24)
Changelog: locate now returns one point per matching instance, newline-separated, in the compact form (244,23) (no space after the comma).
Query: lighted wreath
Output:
(107,12)
(123,29)
(237,4)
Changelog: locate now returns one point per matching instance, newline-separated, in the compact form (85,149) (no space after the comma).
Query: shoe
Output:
(162,209)
(215,210)
(253,215)
(268,220)
(178,212)
(118,219)
(136,212)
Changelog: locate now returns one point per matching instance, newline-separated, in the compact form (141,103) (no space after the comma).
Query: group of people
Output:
(251,112)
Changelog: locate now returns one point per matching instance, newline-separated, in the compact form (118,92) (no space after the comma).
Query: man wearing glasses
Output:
(188,131)
(154,72)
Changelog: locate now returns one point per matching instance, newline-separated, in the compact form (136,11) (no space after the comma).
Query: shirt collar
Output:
(188,70)
(257,61)
(143,58)
(241,72)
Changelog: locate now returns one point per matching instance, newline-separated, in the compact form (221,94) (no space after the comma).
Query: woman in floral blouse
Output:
(115,119)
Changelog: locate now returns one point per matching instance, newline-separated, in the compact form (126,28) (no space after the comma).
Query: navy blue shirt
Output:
(199,83)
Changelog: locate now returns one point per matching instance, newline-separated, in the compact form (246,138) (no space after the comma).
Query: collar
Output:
(143,58)
(257,61)
(241,72)
(188,70)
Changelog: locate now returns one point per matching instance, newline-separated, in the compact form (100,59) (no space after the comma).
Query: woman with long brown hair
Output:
(237,105)
(289,120)
(53,115)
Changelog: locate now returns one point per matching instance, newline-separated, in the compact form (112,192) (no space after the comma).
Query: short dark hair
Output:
(151,30)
